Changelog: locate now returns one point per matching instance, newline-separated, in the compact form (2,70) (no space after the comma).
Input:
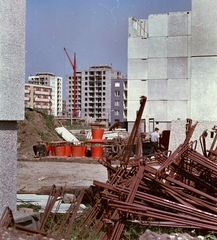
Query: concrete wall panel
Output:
(177,109)
(138,89)
(177,46)
(158,25)
(133,107)
(204,31)
(137,47)
(178,24)
(137,69)
(177,135)
(178,89)
(157,110)
(203,88)
(157,68)
(12,59)
(157,89)
(177,68)
(157,47)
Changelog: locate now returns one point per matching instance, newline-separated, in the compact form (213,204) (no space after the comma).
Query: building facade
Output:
(172,59)
(90,96)
(118,110)
(49,79)
(38,97)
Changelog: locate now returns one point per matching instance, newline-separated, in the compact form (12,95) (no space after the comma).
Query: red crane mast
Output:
(74,76)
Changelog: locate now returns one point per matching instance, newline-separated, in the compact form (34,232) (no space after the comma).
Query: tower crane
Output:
(74,76)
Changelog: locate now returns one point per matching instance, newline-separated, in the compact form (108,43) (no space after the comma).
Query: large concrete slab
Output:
(12,59)
(177,67)
(137,48)
(8,165)
(177,46)
(203,88)
(157,47)
(137,69)
(178,89)
(178,24)
(204,31)
(139,88)
(177,109)
(157,110)
(12,78)
(157,90)
(177,135)
(158,25)
(157,68)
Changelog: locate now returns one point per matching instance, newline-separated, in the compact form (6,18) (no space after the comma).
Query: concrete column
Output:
(12,79)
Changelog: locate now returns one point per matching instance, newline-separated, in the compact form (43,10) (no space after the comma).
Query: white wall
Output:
(175,66)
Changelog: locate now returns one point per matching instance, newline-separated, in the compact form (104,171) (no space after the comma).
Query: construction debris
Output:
(167,189)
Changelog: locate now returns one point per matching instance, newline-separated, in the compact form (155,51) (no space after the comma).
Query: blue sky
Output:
(96,30)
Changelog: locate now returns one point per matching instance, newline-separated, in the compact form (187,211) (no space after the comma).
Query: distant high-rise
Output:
(49,79)
(94,94)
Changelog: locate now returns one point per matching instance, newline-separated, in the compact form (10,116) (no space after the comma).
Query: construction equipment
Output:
(74,76)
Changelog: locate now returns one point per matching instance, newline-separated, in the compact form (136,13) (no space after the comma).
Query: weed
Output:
(42,135)
(49,119)
(210,236)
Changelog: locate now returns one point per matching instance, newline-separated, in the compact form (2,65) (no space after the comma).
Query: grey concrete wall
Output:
(12,78)
(8,165)
(12,59)
(204,31)
(181,65)
(178,134)
(204,60)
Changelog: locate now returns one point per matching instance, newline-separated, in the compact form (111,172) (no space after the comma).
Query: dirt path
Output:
(32,176)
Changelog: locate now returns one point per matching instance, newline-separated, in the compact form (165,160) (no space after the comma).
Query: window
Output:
(117,93)
(117,84)
(116,112)
(117,103)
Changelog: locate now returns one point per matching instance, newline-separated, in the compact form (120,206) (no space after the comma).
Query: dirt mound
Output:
(37,126)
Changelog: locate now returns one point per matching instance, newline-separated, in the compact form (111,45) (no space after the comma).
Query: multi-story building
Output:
(91,94)
(172,59)
(118,111)
(39,97)
(49,79)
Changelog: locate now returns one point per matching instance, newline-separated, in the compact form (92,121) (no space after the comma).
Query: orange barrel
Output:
(96,151)
(68,150)
(53,149)
(97,133)
(60,150)
(77,151)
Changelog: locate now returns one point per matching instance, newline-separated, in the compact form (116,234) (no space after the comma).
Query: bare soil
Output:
(33,174)
(39,177)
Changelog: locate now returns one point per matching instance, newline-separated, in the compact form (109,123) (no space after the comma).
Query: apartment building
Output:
(38,97)
(172,59)
(118,111)
(49,79)
(91,95)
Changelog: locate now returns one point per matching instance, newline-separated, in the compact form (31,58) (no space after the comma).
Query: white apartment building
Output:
(91,94)
(172,59)
(38,97)
(49,79)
